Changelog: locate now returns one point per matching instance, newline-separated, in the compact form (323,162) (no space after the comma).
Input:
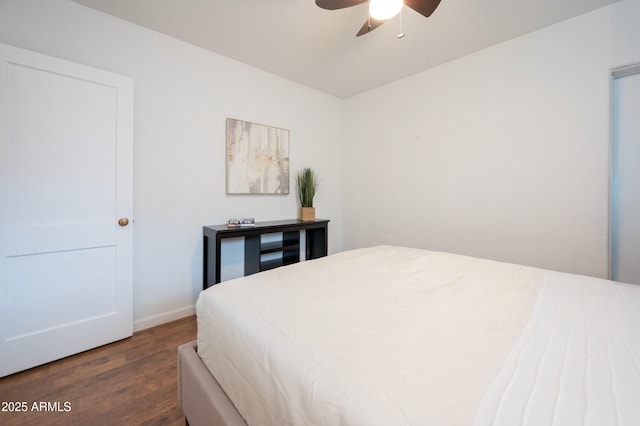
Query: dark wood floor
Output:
(130,382)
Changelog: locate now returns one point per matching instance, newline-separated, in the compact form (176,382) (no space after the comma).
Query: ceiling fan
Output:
(381,10)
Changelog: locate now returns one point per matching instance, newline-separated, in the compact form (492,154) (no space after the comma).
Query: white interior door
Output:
(65,179)
(625,191)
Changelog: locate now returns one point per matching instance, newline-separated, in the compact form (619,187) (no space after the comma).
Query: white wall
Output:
(182,96)
(501,154)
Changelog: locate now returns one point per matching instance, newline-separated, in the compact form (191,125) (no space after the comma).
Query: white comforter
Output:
(393,336)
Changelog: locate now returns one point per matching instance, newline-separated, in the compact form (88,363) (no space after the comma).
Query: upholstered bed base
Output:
(199,395)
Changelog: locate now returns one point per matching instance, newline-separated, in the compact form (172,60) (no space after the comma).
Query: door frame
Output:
(616,73)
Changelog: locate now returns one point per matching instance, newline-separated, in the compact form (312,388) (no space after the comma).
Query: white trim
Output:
(153,320)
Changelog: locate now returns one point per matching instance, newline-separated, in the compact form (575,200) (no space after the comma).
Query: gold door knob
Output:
(123,221)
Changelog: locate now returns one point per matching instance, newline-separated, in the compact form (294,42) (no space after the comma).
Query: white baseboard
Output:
(152,321)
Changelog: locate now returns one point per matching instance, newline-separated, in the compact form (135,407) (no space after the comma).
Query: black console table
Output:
(316,234)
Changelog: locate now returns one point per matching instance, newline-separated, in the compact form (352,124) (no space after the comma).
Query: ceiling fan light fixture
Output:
(384,9)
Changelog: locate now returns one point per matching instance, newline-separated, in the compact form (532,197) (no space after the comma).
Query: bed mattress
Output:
(392,335)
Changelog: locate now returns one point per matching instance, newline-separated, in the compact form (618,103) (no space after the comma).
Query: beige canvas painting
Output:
(257,158)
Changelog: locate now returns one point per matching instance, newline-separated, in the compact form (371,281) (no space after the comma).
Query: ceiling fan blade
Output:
(338,4)
(369,25)
(423,7)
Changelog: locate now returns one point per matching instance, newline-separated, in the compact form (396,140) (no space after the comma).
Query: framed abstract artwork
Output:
(257,158)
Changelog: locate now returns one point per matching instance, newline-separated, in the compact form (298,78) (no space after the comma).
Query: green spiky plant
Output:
(307,186)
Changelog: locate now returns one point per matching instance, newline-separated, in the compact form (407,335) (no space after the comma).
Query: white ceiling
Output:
(299,41)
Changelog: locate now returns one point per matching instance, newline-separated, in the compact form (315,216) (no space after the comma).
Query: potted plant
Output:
(307,188)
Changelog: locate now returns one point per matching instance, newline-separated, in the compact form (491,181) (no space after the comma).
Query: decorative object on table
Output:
(246,222)
(307,187)
(257,158)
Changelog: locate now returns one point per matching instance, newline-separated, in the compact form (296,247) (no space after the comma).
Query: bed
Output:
(394,335)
